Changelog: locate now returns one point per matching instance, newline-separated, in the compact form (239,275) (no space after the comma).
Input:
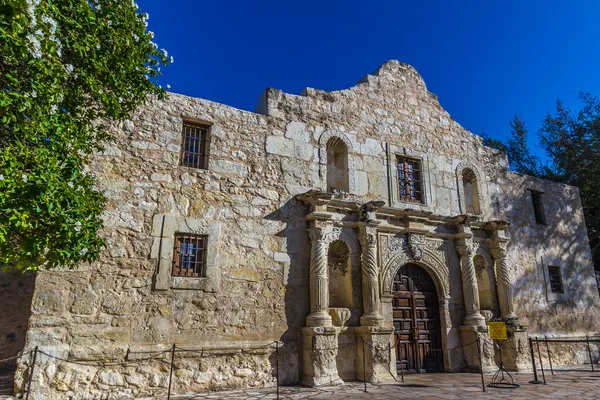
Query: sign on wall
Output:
(498,330)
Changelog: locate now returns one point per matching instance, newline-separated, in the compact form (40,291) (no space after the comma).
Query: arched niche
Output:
(337,165)
(340,275)
(336,162)
(486,283)
(469,189)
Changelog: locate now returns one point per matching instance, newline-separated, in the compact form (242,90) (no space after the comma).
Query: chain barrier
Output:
(8,359)
(275,346)
(106,363)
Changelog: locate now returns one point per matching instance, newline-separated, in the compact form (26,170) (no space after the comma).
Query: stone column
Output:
(503,283)
(319,277)
(464,247)
(370,277)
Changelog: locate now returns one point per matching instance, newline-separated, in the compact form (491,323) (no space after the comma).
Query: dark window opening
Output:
(556,283)
(189,255)
(410,181)
(538,208)
(195,146)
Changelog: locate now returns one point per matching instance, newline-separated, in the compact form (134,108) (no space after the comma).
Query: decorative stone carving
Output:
(319,276)
(505,288)
(339,315)
(367,211)
(320,348)
(414,246)
(466,249)
(370,276)
(430,261)
(377,352)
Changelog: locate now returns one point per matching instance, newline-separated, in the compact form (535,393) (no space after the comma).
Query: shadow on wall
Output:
(296,256)
(16,293)
(578,309)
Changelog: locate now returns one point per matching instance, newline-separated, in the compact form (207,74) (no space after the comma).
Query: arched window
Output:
(471,191)
(337,165)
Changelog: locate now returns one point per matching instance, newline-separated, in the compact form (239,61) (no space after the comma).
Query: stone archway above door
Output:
(431,258)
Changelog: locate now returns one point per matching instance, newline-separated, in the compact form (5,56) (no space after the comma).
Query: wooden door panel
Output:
(416,321)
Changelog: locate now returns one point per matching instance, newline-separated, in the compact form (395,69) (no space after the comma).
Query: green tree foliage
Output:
(67,69)
(572,143)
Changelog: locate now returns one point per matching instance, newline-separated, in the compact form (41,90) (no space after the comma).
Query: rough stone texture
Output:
(16,290)
(109,310)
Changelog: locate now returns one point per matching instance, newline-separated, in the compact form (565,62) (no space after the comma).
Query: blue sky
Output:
(486,60)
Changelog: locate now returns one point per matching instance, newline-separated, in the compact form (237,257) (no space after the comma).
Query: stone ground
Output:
(563,385)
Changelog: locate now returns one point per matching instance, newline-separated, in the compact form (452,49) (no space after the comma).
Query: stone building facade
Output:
(333,225)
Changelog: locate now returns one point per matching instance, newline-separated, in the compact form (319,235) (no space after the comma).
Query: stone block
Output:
(297,131)
(280,146)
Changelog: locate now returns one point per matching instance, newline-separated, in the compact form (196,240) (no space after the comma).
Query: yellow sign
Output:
(498,330)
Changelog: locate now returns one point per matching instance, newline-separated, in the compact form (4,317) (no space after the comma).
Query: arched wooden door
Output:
(416,321)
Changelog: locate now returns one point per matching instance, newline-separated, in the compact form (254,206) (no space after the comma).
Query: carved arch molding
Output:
(460,169)
(399,250)
(347,235)
(323,139)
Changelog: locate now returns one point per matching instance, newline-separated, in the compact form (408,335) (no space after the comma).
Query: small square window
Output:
(538,208)
(410,180)
(195,146)
(555,276)
(189,255)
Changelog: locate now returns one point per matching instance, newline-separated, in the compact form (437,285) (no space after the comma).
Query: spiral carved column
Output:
(505,289)
(473,315)
(319,279)
(370,278)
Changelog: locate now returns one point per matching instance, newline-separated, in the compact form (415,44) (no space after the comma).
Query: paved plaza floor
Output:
(563,385)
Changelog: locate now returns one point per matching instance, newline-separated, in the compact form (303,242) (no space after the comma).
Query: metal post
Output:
(35,351)
(541,362)
(401,362)
(587,339)
(480,363)
(171,372)
(277,365)
(532,354)
(549,357)
(364,366)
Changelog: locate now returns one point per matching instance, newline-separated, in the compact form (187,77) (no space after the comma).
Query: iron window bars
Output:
(189,255)
(410,182)
(195,146)
(556,283)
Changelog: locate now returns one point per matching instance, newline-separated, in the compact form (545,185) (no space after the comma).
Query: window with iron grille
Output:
(556,283)
(195,146)
(189,255)
(538,208)
(410,180)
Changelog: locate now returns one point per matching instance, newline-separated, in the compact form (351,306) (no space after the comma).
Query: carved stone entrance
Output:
(416,321)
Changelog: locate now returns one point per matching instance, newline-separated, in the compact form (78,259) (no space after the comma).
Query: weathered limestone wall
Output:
(16,291)
(259,292)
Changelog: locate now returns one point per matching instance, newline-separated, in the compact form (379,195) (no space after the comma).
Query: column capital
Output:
(367,235)
(320,229)
(465,246)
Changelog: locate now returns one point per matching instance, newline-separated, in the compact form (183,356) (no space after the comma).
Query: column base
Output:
(471,356)
(319,318)
(320,348)
(371,320)
(474,319)
(515,352)
(379,360)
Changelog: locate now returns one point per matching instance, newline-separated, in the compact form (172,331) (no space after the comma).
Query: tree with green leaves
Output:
(572,143)
(68,68)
